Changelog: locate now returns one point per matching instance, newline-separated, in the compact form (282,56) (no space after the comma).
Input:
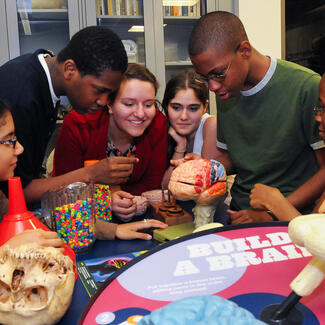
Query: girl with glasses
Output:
(10,149)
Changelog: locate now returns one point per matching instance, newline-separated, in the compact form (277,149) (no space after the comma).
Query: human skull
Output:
(36,285)
(201,180)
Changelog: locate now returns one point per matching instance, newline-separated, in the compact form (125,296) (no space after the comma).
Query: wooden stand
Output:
(169,212)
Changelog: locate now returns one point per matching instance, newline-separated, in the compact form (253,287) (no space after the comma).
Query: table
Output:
(101,248)
(250,264)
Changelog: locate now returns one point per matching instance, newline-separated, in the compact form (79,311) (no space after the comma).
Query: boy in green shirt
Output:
(265,120)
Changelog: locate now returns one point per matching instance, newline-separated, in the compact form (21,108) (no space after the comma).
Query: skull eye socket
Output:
(50,266)
(4,292)
(36,297)
(17,278)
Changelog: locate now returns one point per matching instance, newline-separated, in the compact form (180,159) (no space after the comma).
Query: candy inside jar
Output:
(71,213)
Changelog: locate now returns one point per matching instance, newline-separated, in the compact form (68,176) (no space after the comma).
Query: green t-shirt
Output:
(270,131)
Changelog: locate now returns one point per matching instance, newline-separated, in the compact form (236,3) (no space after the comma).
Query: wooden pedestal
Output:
(170,213)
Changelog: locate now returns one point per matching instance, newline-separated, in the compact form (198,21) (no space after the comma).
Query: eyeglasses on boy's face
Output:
(220,76)
(12,142)
(319,109)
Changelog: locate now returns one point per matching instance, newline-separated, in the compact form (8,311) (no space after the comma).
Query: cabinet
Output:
(154,32)
(32,24)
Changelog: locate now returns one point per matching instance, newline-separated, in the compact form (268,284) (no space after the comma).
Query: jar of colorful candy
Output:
(70,212)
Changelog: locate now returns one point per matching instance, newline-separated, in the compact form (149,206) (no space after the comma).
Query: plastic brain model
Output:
(212,310)
(36,285)
(203,181)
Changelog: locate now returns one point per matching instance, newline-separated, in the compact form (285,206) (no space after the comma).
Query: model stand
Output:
(169,212)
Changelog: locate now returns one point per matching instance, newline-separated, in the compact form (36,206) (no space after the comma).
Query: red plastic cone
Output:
(20,219)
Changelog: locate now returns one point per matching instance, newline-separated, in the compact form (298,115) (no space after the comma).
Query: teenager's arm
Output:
(177,155)
(209,148)
(112,170)
(313,188)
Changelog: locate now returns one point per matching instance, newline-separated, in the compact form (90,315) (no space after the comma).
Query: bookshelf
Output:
(119,7)
(162,34)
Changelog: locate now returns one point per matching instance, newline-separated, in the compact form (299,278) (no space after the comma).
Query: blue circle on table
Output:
(122,315)
(256,302)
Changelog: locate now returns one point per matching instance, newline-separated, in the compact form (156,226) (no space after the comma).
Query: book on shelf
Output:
(191,11)
(98,7)
(185,11)
(118,7)
(103,7)
(135,8)
(203,8)
(167,11)
(110,7)
(140,4)
(198,8)
(123,7)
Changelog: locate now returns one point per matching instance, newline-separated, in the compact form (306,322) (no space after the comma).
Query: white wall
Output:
(264,24)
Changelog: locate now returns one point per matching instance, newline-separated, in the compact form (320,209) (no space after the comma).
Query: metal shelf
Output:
(177,63)
(45,14)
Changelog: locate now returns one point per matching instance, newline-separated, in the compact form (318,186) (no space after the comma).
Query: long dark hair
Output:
(183,80)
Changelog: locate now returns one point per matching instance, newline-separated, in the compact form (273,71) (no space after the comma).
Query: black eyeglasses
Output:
(11,141)
(218,76)
(319,109)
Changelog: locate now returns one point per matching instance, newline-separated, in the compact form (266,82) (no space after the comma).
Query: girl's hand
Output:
(38,236)
(123,205)
(180,139)
(131,230)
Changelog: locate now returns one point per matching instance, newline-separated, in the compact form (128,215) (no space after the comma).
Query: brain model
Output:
(36,285)
(155,196)
(142,204)
(203,181)
(201,310)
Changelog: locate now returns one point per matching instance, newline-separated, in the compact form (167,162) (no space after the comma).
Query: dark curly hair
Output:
(95,49)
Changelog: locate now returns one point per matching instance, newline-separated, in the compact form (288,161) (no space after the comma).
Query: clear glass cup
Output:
(70,212)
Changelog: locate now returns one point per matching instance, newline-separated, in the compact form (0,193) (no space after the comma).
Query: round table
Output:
(251,264)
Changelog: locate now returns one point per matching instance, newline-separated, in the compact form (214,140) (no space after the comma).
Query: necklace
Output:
(112,150)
